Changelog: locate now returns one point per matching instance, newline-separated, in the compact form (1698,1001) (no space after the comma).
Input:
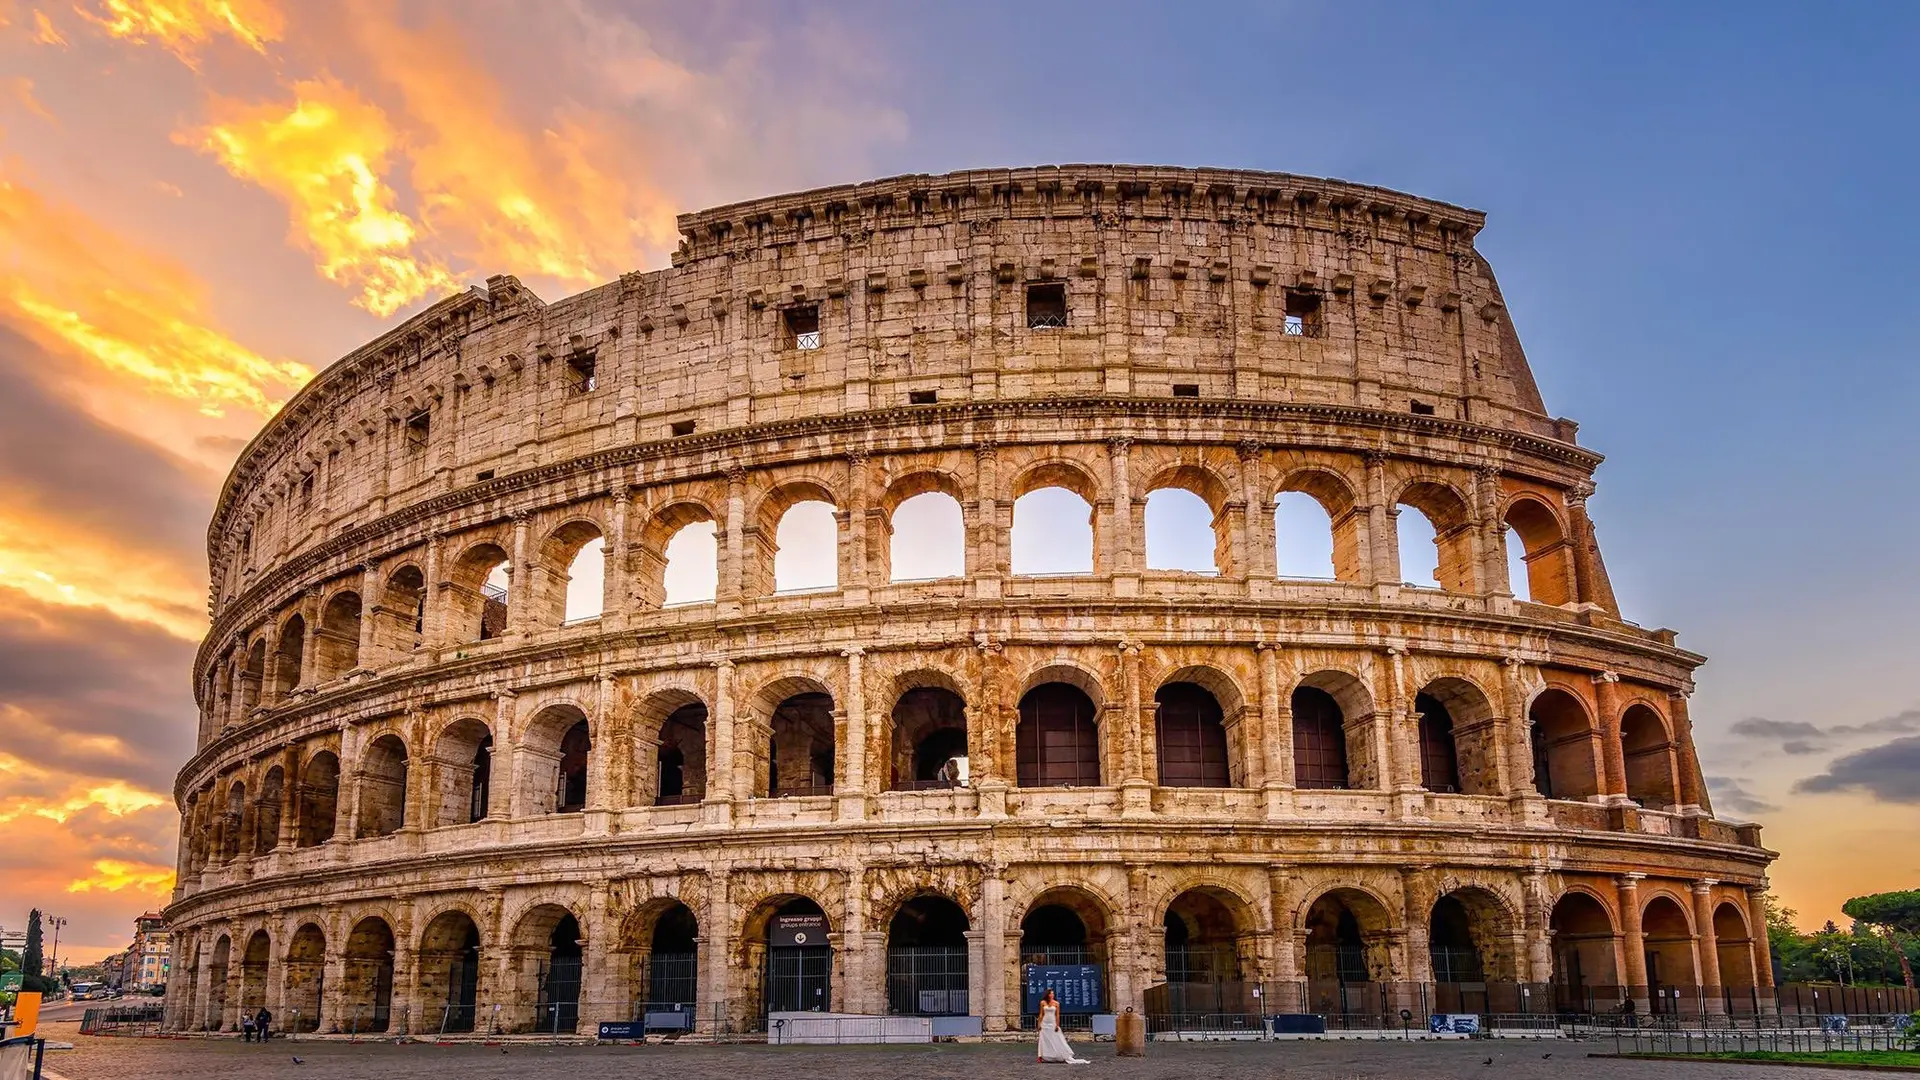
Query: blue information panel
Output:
(1077,986)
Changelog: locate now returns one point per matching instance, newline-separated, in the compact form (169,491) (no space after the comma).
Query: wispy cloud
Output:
(1890,771)
(186,27)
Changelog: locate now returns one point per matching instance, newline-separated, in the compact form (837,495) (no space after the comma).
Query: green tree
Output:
(32,963)
(1893,914)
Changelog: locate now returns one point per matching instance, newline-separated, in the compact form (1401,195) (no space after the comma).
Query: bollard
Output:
(1130,1034)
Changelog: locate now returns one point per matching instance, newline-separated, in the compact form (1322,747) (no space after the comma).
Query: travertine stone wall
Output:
(377,774)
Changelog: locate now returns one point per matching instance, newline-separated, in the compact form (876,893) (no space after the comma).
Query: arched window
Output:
(929,731)
(1435,523)
(1439,762)
(1190,737)
(383,787)
(1450,946)
(1415,535)
(929,538)
(927,958)
(1518,580)
(575,749)
(1648,755)
(586,582)
(807,548)
(1057,743)
(800,751)
(401,615)
(1180,532)
(692,573)
(337,644)
(1564,765)
(266,811)
(1303,537)
(288,657)
(319,799)
(680,762)
(1319,741)
(1539,562)
(480,784)
(1052,533)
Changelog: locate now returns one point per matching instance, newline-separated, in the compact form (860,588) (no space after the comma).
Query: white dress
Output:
(1053,1044)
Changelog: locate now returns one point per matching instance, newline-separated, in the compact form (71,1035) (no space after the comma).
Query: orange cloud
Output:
(57,563)
(20,89)
(118,875)
(79,289)
(44,31)
(184,27)
(325,155)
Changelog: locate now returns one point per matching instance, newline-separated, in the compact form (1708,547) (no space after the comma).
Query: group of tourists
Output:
(258,1027)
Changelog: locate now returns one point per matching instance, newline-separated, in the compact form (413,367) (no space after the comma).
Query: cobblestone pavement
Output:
(206,1059)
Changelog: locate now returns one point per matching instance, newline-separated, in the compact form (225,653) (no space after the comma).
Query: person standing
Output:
(263,1023)
(1053,1041)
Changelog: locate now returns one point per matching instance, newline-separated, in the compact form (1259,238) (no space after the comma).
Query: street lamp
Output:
(53,957)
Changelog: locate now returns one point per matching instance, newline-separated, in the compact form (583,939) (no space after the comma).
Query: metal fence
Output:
(1855,1037)
(134,1018)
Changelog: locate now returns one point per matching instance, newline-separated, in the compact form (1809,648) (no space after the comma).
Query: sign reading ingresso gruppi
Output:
(798,932)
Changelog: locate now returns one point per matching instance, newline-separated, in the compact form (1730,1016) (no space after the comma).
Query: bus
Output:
(80,990)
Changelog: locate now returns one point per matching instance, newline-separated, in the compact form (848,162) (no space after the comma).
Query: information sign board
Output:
(1077,986)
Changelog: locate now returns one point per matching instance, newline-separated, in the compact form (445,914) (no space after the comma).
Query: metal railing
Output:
(134,1018)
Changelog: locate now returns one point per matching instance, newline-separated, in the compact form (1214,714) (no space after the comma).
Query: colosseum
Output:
(529,703)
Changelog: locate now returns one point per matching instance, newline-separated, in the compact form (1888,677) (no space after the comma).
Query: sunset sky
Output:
(1703,221)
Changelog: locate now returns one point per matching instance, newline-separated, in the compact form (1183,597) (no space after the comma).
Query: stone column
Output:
(1757,935)
(850,784)
(310,637)
(1606,691)
(347,795)
(1403,728)
(1693,785)
(1258,542)
(1381,539)
(1419,918)
(290,779)
(716,950)
(333,972)
(1633,941)
(997,961)
(1707,944)
(1127,549)
(369,594)
(1276,732)
(1519,730)
(599,758)
(1136,736)
(520,580)
(733,549)
(503,778)
(616,594)
(1539,918)
(1493,538)
(854,574)
(597,998)
(1593,586)
(405,1000)
(433,598)
(986,561)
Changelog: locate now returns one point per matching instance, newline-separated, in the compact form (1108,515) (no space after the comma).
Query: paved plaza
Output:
(201,1059)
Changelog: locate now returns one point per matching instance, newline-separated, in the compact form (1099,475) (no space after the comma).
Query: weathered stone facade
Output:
(404,776)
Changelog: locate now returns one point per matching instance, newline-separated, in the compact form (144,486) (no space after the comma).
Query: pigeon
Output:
(298,1060)
(1489,1061)
(1544,1057)
(503,1049)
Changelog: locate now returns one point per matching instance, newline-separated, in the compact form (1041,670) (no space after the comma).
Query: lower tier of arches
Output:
(913,932)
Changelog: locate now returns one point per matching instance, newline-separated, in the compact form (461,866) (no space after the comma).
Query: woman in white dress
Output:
(1053,1043)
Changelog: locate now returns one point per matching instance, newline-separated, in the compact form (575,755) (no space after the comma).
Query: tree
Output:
(32,964)
(1893,914)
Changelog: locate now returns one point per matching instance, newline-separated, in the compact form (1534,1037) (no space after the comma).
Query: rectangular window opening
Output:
(1421,408)
(681,427)
(483,475)
(306,491)
(1047,306)
(418,426)
(922,397)
(803,326)
(1186,389)
(580,373)
(1303,314)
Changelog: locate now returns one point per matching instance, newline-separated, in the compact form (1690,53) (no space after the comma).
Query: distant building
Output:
(150,956)
(113,970)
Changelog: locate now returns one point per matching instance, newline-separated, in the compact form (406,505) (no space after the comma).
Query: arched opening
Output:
(1470,942)
(336,645)
(319,799)
(1347,946)
(586,582)
(1180,532)
(1053,527)
(1303,538)
(1202,941)
(800,751)
(232,843)
(287,656)
(1648,755)
(266,811)
(450,972)
(1583,952)
(400,619)
(464,759)
(1539,562)
(557,749)
(1057,743)
(1450,946)
(1733,945)
(305,978)
(1669,946)
(928,538)
(481,581)
(1190,737)
(692,571)
(367,993)
(1434,514)
(667,974)
(1065,927)
(217,962)
(797,972)
(1319,741)
(1439,764)
(680,761)
(569,581)
(929,732)
(252,677)
(1565,764)
(558,1006)
(253,973)
(383,787)
(927,958)
(806,555)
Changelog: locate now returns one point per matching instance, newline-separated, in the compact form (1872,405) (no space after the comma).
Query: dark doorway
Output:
(560,981)
(927,958)
(1319,740)
(1057,744)
(799,975)
(1191,737)
(1439,761)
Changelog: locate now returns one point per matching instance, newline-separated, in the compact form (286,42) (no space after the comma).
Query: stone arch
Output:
(1076,480)
(1213,493)
(289,654)
(1318,486)
(547,955)
(655,552)
(766,573)
(1069,924)
(801,753)
(232,842)
(306,960)
(1192,744)
(1346,941)
(367,991)
(1451,516)
(1566,762)
(927,961)
(382,779)
(1458,737)
(255,961)
(1647,750)
(217,962)
(1667,930)
(318,804)
(1333,743)
(253,676)
(662,941)
(266,810)
(574,549)
(400,616)
(556,747)
(1550,577)
(787,953)
(462,772)
(1733,945)
(1471,931)
(479,589)
(1582,929)
(336,641)
(1208,932)
(670,748)
(927,728)
(1059,740)
(449,963)
(940,495)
